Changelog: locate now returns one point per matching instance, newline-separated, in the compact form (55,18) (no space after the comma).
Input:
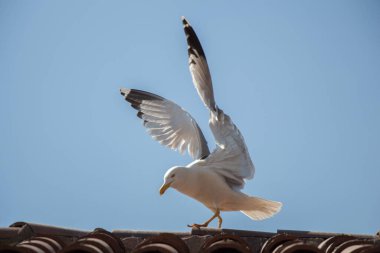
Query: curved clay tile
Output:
(373,249)
(225,243)
(296,246)
(12,249)
(46,244)
(112,240)
(40,229)
(275,241)
(99,241)
(331,243)
(54,242)
(165,243)
(353,246)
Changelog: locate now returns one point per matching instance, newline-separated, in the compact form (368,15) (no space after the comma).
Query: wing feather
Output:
(168,123)
(199,70)
(231,159)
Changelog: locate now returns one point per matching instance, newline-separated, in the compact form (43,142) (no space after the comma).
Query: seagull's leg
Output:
(220,220)
(216,214)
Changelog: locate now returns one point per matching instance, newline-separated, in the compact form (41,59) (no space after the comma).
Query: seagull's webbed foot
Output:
(204,225)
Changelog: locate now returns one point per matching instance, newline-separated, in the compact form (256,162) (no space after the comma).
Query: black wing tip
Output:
(192,40)
(139,94)
(124,91)
(140,114)
(184,21)
(128,96)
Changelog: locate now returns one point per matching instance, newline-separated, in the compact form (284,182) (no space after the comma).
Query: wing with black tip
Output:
(198,67)
(168,123)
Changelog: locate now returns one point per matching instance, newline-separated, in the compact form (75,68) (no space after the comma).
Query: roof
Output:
(28,237)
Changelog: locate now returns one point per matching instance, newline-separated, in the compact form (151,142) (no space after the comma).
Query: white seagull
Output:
(214,179)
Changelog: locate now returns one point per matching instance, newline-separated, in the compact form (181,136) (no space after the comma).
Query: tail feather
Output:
(259,209)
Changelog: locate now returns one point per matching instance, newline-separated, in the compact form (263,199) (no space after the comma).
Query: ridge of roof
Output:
(303,233)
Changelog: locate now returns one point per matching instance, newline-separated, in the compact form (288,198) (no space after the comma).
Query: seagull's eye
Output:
(173,176)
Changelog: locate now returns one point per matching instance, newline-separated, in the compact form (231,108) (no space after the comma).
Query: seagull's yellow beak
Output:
(164,187)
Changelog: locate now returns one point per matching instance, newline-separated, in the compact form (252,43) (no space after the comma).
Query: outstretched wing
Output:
(168,123)
(198,67)
(231,158)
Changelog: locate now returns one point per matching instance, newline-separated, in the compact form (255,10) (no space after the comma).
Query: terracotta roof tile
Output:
(46,229)
(164,242)
(98,241)
(272,243)
(331,243)
(8,232)
(22,237)
(226,242)
(296,246)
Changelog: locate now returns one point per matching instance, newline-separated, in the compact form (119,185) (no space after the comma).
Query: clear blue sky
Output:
(301,79)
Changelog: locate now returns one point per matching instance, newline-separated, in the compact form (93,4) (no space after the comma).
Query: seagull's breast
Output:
(209,188)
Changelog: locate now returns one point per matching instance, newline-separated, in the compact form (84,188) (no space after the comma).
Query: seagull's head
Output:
(173,177)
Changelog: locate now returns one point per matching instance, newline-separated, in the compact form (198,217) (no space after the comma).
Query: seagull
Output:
(214,178)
